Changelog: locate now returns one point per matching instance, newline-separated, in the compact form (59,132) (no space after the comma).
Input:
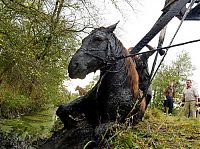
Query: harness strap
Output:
(108,60)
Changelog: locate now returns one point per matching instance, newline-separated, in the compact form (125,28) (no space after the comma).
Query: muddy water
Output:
(20,133)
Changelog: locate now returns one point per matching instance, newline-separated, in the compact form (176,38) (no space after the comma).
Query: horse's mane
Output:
(132,74)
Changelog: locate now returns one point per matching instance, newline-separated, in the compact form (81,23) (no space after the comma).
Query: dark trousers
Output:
(168,103)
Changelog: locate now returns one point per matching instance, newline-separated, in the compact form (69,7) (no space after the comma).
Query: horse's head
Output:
(77,88)
(93,54)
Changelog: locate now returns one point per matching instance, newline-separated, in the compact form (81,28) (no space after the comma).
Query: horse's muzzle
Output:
(75,71)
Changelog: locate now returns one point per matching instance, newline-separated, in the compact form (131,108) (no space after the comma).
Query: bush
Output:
(13,105)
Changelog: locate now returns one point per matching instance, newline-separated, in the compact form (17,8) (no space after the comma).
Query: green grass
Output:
(159,131)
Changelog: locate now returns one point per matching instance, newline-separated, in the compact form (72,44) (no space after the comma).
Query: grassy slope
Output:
(161,132)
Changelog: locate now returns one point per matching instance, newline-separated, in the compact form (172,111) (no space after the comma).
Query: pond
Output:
(22,132)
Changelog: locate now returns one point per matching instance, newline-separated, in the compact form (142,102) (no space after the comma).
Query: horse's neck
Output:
(115,75)
(122,74)
(119,73)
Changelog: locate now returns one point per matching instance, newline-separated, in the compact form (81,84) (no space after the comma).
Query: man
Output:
(190,99)
(169,94)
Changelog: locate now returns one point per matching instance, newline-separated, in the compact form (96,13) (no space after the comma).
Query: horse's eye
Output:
(97,40)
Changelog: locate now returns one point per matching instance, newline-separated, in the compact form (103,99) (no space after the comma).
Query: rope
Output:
(168,47)
(160,43)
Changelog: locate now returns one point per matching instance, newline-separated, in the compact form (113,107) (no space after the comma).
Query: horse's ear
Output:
(111,28)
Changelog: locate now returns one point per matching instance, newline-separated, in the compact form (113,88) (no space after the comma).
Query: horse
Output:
(118,88)
(115,97)
(80,90)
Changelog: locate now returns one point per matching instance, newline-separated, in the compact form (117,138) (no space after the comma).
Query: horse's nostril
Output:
(75,65)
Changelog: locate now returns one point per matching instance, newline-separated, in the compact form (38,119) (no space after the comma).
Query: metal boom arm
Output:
(163,20)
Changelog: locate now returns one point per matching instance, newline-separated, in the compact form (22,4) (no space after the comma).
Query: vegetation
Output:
(159,131)
(156,131)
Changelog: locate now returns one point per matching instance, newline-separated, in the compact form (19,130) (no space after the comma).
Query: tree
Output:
(37,39)
(177,71)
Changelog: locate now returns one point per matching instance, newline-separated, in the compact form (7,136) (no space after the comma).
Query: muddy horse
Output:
(114,99)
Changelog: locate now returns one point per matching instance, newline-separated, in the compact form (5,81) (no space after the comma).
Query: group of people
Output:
(189,99)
